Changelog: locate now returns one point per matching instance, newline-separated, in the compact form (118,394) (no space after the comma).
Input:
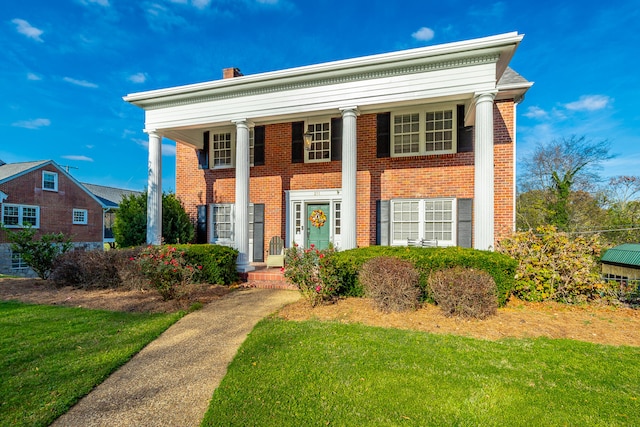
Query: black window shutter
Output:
(336,138)
(203,155)
(465,214)
(297,142)
(465,133)
(201,224)
(258,146)
(383,135)
(258,232)
(383,216)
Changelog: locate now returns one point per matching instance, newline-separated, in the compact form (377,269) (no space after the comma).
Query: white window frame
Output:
(422,129)
(17,262)
(54,176)
(422,220)
(212,152)
(225,240)
(21,216)
(83,220)
(320,121)
(252,146)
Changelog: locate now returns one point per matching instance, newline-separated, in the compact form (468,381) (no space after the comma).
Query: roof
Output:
(9,171)
(110,196)
(627,254)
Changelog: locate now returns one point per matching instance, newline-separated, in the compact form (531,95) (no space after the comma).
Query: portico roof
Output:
(441,73)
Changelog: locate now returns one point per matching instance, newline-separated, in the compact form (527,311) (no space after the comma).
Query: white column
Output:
(349,172)
(154,190)
(483,209)
(242,195)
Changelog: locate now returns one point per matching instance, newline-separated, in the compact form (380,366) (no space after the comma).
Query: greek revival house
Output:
(378,150)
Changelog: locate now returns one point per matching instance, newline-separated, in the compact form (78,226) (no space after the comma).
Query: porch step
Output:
(269,278)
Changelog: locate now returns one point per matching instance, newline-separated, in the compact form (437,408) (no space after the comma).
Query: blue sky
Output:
(65,65)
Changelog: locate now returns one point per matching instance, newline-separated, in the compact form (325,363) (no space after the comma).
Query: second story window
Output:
(49,181)
(320,150)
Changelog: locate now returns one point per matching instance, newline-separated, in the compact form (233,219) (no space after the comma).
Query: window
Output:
(49,181)
(422,132)
(337,221)
(252,146)
(320,150)
(79,216)
(429,219)
(17,262)
(297,217)
(16,216)
(222,149)
(222,223)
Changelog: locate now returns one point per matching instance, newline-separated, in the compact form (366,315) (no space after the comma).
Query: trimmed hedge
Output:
(218,262)
(502,268)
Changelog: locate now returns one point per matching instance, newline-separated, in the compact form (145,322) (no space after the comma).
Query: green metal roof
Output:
(627,254)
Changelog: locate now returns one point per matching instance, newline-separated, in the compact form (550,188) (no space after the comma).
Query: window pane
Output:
(321,141)
(406,133)
(439,131)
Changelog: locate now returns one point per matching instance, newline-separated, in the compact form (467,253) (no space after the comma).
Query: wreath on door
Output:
(318,218)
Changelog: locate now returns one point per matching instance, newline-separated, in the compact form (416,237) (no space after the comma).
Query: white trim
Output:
(422,111)
(85,216)
(21,208)
(303,198)
(55,180)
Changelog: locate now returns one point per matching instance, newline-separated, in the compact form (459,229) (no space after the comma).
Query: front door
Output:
(318,225)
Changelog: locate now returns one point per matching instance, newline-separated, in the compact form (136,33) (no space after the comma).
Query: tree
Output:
(39,254)
(622,200)
(561,167)
(130,225)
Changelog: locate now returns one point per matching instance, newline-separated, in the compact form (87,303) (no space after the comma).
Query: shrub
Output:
(218,263)
(167,270)
(500,266)
(392,284)
(464,292)
(98,269)
(39,254)
(555,266)
(312,271)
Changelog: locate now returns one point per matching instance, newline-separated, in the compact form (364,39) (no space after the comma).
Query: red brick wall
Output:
(448,175)
(56,207)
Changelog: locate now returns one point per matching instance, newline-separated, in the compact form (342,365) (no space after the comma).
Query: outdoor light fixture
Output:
(308,139)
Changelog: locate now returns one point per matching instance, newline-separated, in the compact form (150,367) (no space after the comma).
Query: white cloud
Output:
(423,34)
(78,158)
(27,29)
(267,1)
(32,124)
(33,76)
(104,3)
(161,18)
(82,83)
(200,4)
(589,103)
(536,113)
(138,78)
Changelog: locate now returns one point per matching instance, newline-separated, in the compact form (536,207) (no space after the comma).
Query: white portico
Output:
(464,73)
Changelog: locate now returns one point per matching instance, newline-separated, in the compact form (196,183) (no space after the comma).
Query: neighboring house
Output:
(622,263)
(110,198)
(44,195)
(414,144)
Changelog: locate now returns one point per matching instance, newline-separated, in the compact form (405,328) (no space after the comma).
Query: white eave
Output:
(502,46)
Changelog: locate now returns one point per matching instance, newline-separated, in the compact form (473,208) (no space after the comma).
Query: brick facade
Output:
(56,209)
(445,175)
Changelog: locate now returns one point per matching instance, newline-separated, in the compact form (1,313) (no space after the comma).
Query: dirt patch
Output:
(603,325)
(38,291)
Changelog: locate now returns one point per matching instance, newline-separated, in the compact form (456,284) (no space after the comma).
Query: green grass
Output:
(316,373)
(52,356)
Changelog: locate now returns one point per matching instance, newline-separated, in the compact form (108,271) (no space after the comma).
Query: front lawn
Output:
(326,373)
(52,356)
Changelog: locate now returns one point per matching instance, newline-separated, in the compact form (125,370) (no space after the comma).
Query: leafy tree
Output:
(39,254)
(130,225)
(622,200)
(561,167)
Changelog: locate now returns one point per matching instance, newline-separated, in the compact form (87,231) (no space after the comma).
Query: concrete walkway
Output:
(170,382)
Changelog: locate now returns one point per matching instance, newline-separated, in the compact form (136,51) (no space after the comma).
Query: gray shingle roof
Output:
(11,170)
(511,77)
(110,196)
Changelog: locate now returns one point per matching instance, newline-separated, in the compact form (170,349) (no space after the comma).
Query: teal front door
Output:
(318,225)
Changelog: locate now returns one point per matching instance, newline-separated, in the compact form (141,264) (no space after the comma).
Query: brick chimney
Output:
(229,73)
